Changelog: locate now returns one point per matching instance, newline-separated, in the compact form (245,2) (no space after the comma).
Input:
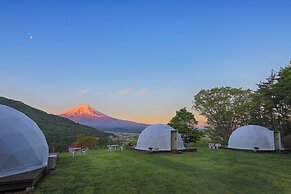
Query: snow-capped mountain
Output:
(87,115)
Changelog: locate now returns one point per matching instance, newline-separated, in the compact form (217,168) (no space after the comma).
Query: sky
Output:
(137,60)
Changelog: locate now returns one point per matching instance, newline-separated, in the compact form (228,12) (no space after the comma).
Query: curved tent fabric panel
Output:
(157,137)
(251,136)
(160,140)
(180,143)
(23,146)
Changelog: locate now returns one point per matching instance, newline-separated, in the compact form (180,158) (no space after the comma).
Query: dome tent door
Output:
(174,140)
(277,140)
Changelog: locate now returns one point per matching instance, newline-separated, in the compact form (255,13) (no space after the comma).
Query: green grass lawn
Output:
(204,171)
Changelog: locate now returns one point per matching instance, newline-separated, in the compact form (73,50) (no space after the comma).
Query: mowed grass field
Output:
(204,171)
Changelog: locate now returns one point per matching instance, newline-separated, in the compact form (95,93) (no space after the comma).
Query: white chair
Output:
(121,147)
(71,152)
(84,151)
(217,145)
(210,145)
(109,148)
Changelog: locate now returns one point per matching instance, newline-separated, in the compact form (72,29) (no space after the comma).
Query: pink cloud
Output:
(123,92)
(83,91)
(142,91)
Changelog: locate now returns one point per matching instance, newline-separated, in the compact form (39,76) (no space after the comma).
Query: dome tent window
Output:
(23,146)
(254,137)
(159,137)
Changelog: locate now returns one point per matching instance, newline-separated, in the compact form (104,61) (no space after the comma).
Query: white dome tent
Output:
(23,146)
(252,137)
(159,137)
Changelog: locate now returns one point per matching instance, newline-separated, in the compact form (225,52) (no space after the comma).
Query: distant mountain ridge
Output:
(87,115)
(60,132)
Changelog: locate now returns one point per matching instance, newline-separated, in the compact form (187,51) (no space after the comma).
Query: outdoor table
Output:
(115,147)
(77,150)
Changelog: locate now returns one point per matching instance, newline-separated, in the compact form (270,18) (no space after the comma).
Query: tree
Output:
(133,140)
(184,122)
(282,98)
(225,108)
(273,101)
(263,105)
(87,141)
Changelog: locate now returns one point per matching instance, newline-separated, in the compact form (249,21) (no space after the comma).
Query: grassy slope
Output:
(205,171)
(59,131)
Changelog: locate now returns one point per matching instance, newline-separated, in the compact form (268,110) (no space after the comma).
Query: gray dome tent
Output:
(160,137)
(23,146)
(250,136)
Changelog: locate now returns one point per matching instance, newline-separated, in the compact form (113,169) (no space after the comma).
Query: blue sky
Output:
(138,60)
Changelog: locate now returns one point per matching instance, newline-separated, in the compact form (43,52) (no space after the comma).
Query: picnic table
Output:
(72,151)
(114,147)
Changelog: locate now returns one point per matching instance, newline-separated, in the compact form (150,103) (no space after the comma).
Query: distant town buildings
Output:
(122,136)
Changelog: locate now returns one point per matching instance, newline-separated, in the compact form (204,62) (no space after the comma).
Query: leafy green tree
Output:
(263,106)
(225,108)
(282,98)
(133,141)
(184,122)
(212,135)
(272,102)
(87,141)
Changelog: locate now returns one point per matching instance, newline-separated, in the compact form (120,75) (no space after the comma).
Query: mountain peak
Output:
(87,115)
(84,107)
(83,110)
